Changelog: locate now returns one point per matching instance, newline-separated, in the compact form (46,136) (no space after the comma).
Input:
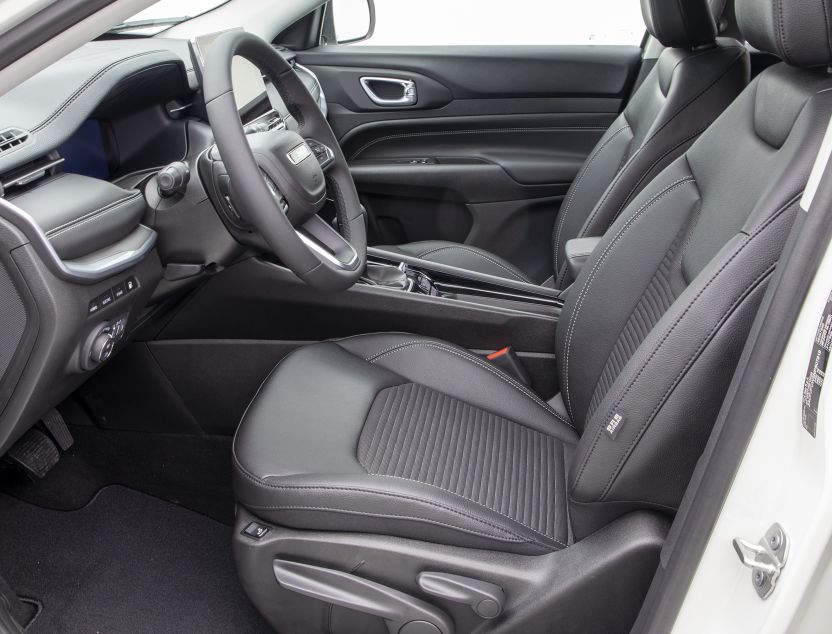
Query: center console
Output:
(394,271)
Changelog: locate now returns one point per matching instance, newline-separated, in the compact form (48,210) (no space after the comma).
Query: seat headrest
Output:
(679,24)
(797,31)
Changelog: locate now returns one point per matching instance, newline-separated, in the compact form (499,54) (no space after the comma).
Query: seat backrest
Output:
(653,328)
(692,83)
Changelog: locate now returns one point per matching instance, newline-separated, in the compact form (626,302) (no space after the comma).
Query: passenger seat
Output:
(694,79)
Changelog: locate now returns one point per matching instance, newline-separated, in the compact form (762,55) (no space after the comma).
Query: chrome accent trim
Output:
(29,176)
(322,104)
(408,98)
(326,255)
(83,272)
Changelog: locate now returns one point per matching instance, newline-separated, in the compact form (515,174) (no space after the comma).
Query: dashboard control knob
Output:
(102,348)
(173,179)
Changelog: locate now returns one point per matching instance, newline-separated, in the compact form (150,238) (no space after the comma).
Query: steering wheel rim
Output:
(302,240)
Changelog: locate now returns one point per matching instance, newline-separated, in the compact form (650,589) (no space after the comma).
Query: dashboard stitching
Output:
(57,231)
(78,92)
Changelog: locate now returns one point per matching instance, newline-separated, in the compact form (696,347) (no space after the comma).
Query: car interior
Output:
(349,338)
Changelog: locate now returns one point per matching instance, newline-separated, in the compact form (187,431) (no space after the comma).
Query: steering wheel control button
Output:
(255,530)
(324,155)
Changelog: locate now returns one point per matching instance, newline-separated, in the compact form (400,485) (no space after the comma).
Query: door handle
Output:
(407,96)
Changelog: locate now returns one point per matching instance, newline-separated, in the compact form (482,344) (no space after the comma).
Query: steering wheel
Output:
(281,179)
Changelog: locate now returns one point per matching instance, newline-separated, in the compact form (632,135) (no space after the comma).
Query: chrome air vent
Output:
(11,138)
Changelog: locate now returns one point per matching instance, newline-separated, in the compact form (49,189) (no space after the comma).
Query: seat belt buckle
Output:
(507,360)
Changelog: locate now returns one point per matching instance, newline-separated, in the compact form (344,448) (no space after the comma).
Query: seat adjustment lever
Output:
(402,613)
(485,599)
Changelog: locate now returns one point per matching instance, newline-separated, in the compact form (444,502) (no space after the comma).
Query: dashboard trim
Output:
(88,270)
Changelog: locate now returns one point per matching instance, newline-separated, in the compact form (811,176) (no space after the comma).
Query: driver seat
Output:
(373,459)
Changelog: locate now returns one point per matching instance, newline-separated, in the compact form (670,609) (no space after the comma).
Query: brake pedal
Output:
(57,427)
(35,454)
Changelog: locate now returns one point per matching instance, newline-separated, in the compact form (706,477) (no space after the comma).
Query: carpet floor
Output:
(125,562)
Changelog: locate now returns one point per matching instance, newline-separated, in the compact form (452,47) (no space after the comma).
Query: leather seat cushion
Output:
(406,436)
(462,256)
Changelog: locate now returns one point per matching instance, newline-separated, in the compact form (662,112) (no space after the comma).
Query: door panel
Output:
(491,145)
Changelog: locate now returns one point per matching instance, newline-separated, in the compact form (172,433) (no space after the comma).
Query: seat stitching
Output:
(577,184)
(299,507)
(643,177)
(287,487)
(782,29)
(741,51)
(508,517)
(652,137)
(678,320)
(631,501)
(409,135)
(94,215)
(596,267)
(526,392)
(376,430)
(482,255)
(690,362)
(759,229)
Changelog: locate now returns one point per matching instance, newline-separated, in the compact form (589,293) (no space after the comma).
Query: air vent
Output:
(11,138)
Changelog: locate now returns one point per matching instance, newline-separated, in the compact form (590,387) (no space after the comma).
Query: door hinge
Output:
(766,559)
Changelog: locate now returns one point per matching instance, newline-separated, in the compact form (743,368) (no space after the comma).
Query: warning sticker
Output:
(816,373)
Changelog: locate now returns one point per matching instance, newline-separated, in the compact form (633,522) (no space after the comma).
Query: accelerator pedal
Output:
(57,427)
(35,454)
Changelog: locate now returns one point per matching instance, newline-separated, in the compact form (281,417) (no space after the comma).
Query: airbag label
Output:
(614,426)
(816,373)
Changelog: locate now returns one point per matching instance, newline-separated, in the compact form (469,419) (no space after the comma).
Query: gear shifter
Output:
(388,276)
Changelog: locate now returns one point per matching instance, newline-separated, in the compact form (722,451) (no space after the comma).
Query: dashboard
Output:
(92,247)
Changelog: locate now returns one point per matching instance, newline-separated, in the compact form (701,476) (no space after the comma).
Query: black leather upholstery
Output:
(798,31)
(92,214)
(680,97)
(682,24)
(693,252)
(378,434)
(416,438)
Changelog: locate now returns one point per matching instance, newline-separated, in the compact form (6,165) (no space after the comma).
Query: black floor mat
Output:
(127,562)
(193,471)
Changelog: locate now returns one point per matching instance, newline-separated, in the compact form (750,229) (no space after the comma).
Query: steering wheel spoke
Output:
(328,244)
